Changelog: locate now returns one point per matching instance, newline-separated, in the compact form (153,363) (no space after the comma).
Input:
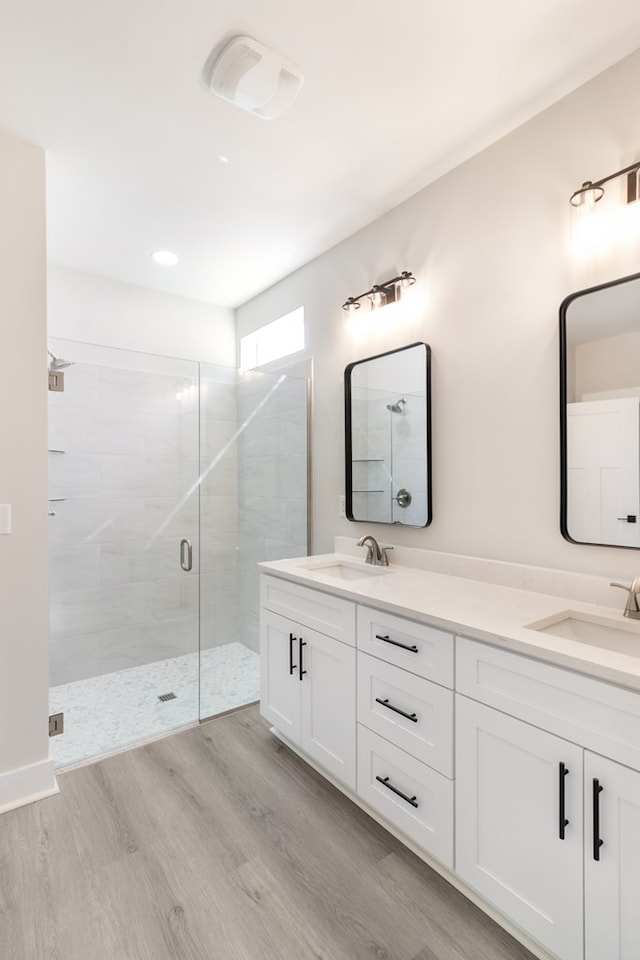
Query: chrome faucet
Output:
(375,554)
(632,609)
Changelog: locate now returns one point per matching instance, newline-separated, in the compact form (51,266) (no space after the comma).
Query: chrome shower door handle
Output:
(186,555)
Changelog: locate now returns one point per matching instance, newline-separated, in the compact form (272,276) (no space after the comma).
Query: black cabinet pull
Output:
(563,822)
(301,643)
(390,706)
(396,643)
(385,783)
(597,842)
(292,665)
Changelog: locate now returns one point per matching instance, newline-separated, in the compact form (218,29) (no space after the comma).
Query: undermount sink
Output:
(343,570)
(595,631)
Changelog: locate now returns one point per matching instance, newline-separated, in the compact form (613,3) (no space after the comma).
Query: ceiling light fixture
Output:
(591,191)
(223,159)
(165,258)
(381,294)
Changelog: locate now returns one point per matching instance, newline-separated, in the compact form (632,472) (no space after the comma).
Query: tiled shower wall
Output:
(388,452)
(371,455)
(272,483)
(219,506)
(129,479)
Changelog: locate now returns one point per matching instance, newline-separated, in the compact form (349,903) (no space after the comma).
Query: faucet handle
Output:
(632,608)
(622,586)
(384,559)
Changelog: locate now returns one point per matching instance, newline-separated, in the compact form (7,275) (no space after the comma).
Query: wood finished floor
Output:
(220,844)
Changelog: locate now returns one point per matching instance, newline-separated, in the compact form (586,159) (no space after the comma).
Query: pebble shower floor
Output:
(116,710)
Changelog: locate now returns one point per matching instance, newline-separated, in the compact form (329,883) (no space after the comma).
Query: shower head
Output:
(57,363)
(398,406)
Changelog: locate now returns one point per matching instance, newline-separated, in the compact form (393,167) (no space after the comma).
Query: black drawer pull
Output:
(396,643)
(562,822)
(301,643)
(385,783)
(390,706)
(597,842)
(292,665)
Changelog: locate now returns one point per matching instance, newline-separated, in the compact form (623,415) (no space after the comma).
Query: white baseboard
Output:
(27,784)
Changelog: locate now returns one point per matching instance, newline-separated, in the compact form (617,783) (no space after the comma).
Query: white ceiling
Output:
(394,96)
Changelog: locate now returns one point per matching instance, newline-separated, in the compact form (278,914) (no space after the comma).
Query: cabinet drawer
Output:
(592,713)
(414,646)
(312,608)
(427,730)
(421,801)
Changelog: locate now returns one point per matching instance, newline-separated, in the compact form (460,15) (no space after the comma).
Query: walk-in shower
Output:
(169,480)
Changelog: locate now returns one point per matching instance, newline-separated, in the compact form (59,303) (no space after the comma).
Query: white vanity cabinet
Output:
(548,830)
(308,678)
(612,882)
(510,844)
(533,807)
(405,727)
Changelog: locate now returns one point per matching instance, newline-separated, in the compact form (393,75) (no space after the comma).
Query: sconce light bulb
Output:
(351,305)
(587,196)
(407,279)
(377,296)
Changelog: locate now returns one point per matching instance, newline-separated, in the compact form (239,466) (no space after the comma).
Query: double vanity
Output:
(494,730)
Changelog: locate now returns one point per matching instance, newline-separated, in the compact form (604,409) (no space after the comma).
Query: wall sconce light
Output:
(590,192)
(381,294)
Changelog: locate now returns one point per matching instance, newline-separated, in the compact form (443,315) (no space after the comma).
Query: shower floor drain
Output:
(167,696)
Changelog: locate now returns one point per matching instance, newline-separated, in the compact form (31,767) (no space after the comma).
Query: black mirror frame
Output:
(348,441)
(563,410)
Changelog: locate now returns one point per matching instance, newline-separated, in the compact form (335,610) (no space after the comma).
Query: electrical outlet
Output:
(342,506)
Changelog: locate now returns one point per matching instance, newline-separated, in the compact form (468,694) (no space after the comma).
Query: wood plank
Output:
(220,842)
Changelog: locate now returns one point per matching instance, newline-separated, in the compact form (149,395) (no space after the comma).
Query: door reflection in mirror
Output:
(600,414)
(387,437)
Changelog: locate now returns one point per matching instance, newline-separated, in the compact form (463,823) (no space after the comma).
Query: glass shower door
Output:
(253,430)
(124,548)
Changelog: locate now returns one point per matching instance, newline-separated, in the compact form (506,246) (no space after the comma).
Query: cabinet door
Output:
(279,673)
(508,813)
(328,722)
(612,883)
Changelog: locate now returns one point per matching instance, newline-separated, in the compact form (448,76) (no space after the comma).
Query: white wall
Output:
(94,309)
(490,246)
(25,770)
(611,363)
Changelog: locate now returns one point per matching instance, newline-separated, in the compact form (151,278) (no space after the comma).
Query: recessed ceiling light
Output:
(164,257)
(223,159)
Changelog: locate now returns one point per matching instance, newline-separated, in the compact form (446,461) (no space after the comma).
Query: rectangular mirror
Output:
(388,437)
(600,414)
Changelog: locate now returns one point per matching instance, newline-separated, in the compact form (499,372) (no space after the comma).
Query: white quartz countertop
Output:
(483,611)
